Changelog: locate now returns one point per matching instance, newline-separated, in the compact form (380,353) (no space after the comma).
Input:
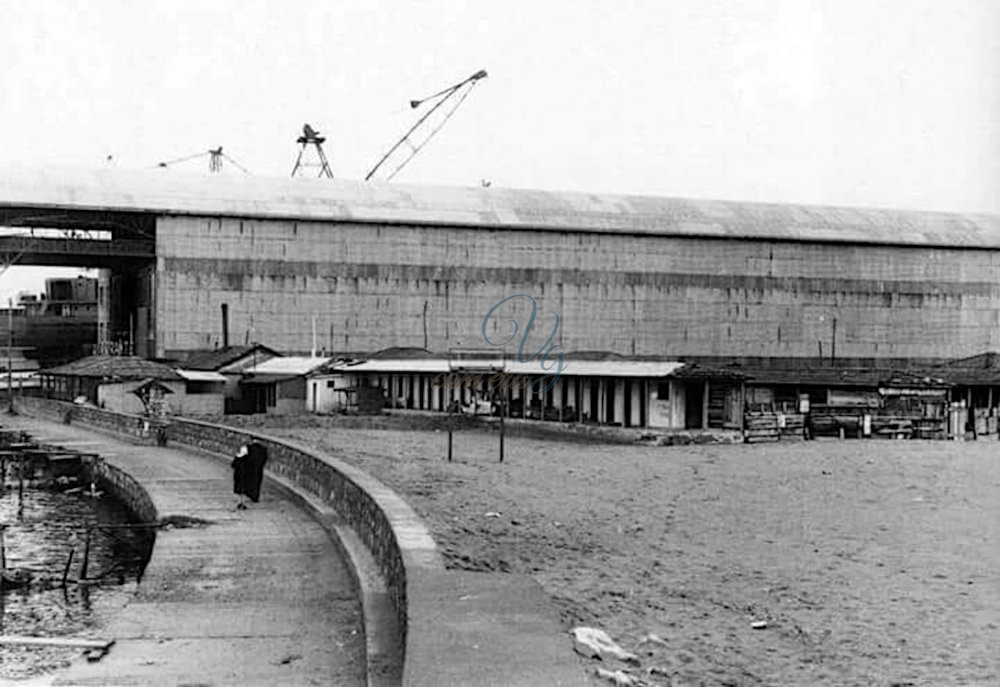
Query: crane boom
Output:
(442,96)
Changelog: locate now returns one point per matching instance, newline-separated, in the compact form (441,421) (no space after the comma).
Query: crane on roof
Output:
(455,94)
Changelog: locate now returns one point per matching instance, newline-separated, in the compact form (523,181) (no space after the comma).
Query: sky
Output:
(876,103)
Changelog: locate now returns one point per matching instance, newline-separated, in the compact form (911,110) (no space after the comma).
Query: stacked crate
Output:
(760,426)
(765,424)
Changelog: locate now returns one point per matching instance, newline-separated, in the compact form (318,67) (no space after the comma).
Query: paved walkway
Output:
(259,597)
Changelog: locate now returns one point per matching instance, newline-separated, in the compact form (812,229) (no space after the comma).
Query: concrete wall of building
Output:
(327,393)
(119,397)
(200,403)
(370,287)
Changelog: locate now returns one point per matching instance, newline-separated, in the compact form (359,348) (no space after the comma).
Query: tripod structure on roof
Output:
(311,137)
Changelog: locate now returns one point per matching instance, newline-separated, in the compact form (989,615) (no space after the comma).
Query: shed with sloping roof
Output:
(109,381)
(278,385)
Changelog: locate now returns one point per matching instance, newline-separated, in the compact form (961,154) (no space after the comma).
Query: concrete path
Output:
(259,597)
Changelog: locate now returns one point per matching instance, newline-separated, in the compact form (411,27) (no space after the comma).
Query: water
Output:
(39,538)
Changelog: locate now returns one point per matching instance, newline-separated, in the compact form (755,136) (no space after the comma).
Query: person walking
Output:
(240,465)
(248,472)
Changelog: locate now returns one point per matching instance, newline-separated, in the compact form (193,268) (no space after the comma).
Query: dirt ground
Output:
(872,562)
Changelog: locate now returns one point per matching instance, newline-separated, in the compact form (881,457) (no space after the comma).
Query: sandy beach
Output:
(871,562)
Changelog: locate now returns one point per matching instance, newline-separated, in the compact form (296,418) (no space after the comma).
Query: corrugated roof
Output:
(169,192)
(114,366)
(573,368)
(201,376)
(214,360)
(867,377)
(287,366)
(977,370)
(815,376)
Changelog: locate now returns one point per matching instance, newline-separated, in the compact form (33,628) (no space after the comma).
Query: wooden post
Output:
(743,405)
(69,562)
(86,555)
(646,402)
(970,414)
(20,485)
(989,412)
(3,548)
(704,406)
(557,391)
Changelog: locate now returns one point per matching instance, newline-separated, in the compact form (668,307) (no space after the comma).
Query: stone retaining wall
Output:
(129,491)
(123,487)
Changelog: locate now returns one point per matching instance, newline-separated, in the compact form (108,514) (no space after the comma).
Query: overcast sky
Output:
(885,103)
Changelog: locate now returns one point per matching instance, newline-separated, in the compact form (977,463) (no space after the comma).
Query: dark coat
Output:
(248,471)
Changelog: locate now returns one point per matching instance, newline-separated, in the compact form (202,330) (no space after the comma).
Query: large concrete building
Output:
(350,267)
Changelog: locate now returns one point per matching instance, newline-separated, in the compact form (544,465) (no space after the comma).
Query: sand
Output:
(871,562)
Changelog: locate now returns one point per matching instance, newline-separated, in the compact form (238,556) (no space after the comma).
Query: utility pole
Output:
(10,348)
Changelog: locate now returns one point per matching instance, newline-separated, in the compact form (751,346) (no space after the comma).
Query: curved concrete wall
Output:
(126,489)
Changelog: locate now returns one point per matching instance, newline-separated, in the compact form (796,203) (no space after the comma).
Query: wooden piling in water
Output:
(69,562)
(86,555)
(20,485)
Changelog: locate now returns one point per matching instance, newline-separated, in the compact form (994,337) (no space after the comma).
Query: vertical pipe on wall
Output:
(312,350)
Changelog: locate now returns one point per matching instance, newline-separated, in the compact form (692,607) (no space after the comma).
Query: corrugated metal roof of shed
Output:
(287,366)
(201,375)
(216,360)
(114,366)
(573,368)
(168,192)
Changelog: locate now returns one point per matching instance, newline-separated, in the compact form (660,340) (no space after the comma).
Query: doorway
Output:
(694,399)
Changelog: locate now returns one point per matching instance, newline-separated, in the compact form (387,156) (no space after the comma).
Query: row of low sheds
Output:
(948,400)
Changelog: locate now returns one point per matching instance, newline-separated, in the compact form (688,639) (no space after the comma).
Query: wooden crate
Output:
(761,426)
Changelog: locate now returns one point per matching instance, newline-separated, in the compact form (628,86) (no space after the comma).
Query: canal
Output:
(72,558)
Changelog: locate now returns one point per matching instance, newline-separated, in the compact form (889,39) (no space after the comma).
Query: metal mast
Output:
(464,87)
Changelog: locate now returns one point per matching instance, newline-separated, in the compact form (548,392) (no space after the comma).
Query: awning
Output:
(201,376)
